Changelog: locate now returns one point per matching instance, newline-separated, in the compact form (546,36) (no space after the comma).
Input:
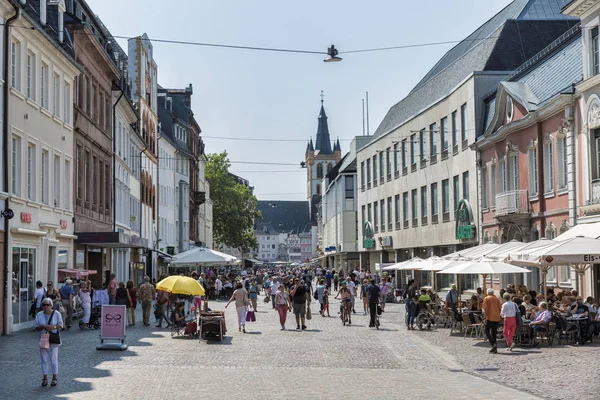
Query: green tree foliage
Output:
(234,206)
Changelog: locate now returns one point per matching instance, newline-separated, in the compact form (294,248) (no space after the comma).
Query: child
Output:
(325,301)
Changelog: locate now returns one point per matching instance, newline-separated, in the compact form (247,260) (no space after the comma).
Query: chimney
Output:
(188,96)
(43,11)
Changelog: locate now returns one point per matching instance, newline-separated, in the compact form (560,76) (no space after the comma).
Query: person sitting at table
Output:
(594,327)
(592,307)
(519,302)
(522,291)
(578,308)
(178,315)
(541,320)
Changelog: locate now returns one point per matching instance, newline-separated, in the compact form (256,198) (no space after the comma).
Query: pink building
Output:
(522,153)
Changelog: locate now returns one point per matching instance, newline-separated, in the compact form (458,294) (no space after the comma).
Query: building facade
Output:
(40,157)
(417,177)
(524,182)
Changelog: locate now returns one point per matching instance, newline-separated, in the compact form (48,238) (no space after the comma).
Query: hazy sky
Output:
(275,96)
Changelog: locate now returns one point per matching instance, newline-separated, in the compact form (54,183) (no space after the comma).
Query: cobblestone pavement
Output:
(556,372)
(325,361)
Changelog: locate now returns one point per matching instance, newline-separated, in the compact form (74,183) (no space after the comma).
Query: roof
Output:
(323,142)
(51,28)
(285,216)
(490,48)
(263,228)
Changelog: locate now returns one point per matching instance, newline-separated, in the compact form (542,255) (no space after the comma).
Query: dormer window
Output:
(509,110)
(595,52)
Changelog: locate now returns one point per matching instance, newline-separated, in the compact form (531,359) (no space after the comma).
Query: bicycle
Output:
(345,313)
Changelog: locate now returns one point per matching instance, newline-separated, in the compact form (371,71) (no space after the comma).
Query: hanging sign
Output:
(465,227)
(368,236)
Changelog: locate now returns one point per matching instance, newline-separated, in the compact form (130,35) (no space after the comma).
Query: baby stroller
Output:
(95,315)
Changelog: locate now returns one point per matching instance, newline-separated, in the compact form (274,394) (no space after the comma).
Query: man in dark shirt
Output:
(373,296)
(298,294)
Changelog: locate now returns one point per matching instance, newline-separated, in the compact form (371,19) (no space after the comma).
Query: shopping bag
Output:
(267,299)
(44,341)
(308,313)
(250,316)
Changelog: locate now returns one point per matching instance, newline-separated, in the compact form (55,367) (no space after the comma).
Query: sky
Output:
(275,96)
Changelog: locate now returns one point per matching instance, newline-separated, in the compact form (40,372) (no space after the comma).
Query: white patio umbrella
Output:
(435,264)
(578,252)
(413,263)
(485,267)
(474,252)
(203,256)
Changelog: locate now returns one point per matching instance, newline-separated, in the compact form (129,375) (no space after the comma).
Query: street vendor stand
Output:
(211,323)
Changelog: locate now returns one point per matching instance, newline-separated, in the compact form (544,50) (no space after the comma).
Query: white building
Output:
(268,243)
(167,207)
(205,210)
(40,156)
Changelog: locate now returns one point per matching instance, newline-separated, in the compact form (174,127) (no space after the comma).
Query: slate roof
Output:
(285,216)
(179,112)
(323,142)
(265,229)
(32,10)
(554,71)
(527,25)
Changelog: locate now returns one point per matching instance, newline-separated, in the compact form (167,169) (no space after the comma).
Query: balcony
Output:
(592,206)
(512,202)
(199,197)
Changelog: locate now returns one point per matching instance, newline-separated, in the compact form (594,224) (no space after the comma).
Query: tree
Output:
(234,205)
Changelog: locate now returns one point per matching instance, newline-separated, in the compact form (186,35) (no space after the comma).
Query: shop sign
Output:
(63,223)
(330,249)
(26,217)
(368,236)
(113,322)
(465,227)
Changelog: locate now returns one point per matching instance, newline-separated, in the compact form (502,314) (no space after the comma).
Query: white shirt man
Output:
(351,286)
(274,287)
(219,285)
(362,275)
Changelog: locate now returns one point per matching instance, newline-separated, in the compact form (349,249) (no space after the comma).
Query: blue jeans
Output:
(273,300)
(411,307)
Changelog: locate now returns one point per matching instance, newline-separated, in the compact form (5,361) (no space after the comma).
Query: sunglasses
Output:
(45,305)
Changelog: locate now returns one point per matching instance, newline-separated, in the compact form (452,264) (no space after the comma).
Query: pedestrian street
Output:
(325,361)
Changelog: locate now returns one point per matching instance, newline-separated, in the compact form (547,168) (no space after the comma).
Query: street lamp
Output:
(332,52)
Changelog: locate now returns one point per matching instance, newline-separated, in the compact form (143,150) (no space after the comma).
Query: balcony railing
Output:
(595,197)
(512,202)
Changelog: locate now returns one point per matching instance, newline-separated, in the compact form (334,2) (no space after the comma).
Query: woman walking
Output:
(509,313)
(240,295)
(132,303)
(86,304)
(122,297)
(282,299)
(363,295)
(53,294)
(253,293)
(48,321)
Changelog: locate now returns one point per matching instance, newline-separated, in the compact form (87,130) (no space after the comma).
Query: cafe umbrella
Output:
(178,284)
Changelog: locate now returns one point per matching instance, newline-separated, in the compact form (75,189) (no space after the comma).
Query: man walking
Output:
(452,299)
(373,293)
(66,294)
(146,294)
(352,287)
(163,301)
(274,286)
(299,295)
(112,289)
(491,311)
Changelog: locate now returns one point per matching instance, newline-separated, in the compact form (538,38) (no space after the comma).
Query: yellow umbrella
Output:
(177,284)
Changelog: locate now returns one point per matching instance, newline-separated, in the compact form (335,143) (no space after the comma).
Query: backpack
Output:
(316,295)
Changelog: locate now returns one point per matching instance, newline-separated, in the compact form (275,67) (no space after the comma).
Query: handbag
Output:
(267,299)
(250,316)
(44,342)
(518,316)
(53,338)
(308,313)
(316,295)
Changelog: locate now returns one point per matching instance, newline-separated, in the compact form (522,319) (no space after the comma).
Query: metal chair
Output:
(469,326)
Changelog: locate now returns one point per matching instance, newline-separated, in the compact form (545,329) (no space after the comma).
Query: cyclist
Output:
(346,297)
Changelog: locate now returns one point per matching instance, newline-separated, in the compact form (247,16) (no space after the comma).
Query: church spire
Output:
(323,142)
(336,146)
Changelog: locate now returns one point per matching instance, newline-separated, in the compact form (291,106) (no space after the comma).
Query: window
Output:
(319,171)
(405,209)
(456,189)
(465,178)
(396,162)
(362,175)
(45,176)
(31,171)
(375,170)
(388,161)
(382,211)
(484,188)
(86,94)
(67,195)
(550,231)
(31,75)
(94,104)
(349,189)
(369,212)
(375,215)
(454,133)
(80,175)
(329,168)
(513,171)
(15,64)
(595,52)
(446,200)
(67,103)
(413,151)
(434,203)
(561,154)
(363,212)
(463,125)
(502,175)
(56,95)
(397,210)
(548,165)
(493,179)
(444,133)
(422,145)
(44,86)
(423,205)
(533,178)
(433,145)
(318,188)
(389,213)
(96,187)
(56,178)
(368,173)
(414,207)
(87,177)
(403,154)
(381,168)
(15,167)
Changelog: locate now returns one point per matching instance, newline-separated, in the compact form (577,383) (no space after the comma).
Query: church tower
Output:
(320,160)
